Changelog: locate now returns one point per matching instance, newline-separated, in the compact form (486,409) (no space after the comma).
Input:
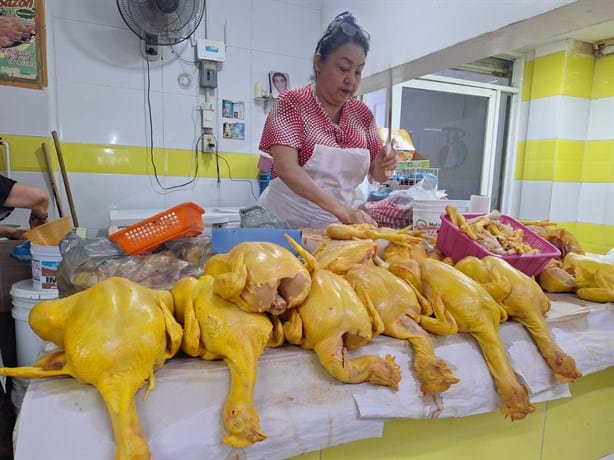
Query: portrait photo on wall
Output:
(279,82)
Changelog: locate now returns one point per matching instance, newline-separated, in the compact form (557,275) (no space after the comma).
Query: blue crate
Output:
(224,239)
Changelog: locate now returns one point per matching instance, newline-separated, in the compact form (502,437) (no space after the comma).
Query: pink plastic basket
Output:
(453,243)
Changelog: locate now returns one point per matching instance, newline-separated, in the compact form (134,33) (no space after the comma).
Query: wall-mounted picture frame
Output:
(22,44)
(278,82)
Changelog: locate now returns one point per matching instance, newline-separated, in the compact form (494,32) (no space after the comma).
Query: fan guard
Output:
(162,22)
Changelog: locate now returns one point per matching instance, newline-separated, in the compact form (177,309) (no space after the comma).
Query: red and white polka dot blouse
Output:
(297,120)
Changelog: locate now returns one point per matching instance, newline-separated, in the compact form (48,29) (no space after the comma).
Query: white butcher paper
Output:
(301,409)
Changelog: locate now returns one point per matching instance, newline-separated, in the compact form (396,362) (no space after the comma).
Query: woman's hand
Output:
(384,164)
(349,215)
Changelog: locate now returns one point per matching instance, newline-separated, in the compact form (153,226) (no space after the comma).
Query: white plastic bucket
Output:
(24,296)
(45,262)
(427,213)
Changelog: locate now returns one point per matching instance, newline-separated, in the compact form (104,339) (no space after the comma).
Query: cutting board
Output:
(224,239)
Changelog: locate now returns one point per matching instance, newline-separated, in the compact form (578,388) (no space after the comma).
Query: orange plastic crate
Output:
(180,221)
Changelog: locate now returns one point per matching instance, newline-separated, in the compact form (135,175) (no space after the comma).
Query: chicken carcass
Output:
(477,313)
(400,311)
(218,329)
(524,301)
(593,278)
(260,277)
(333,319)
(114,336)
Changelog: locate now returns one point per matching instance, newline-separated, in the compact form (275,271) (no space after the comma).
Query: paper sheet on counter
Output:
(301,407)
(587,335)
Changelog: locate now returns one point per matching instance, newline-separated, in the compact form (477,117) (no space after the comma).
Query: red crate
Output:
(178,222)
(451,242)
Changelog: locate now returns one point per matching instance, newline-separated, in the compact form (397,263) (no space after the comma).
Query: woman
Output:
(324,141)
(16,195)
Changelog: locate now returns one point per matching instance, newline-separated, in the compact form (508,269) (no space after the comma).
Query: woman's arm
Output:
(295,177)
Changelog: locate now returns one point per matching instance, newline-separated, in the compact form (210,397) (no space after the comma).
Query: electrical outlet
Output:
(209,143)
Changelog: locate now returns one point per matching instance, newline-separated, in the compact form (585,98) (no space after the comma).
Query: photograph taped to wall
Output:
(22,44)
(232,109)
(278,82)
(233,131)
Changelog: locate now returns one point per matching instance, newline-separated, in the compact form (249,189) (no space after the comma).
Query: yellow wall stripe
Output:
(598,163)
(603,81)
(595,238)
(27,155)
(562,73)
(565,160)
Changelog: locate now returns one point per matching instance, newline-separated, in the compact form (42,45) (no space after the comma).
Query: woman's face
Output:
(338,77)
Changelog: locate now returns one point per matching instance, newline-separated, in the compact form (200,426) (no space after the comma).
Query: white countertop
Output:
(301,407)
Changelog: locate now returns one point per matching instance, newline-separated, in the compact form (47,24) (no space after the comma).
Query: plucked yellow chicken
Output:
(269,278)
(593,278)
(339,256)
(523,300)
(400,311)
(333,319)
(217,329)
(473,311)
(114,336)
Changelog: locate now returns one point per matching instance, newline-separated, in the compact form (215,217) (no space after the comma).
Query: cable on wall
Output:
(151,141)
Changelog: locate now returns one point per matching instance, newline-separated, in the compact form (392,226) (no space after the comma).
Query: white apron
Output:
(337,171)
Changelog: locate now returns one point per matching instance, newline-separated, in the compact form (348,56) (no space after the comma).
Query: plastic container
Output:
(224,239)
(28,345)
(456,244)
(45,262)
(24,295)
(181,221)
(263,181)
(427,214)
(51,233)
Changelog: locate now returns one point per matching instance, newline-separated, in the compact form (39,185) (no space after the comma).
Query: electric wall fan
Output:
(161,22)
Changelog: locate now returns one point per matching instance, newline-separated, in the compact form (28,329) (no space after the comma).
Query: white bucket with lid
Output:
(28,345)
(427,213)
(45,262)
(24,296)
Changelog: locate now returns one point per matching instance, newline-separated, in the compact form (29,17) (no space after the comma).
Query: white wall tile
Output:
(92,11)
(601,119)
(104,115)
(181,123)
(283,28)
(535,200)
(551,48)
(24,111)
(565,201)
(120,192)
(228,20)
(592,204)
(559,117)
(101,55)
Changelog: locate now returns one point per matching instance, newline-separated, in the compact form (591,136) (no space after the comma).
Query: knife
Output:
(389,118)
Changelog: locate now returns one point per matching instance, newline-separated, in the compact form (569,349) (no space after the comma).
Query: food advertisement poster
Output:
(22,43)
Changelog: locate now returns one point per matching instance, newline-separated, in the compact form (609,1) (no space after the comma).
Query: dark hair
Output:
(341,30)
(279,74)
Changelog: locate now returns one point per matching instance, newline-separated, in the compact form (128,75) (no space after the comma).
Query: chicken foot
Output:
(334,358)
(433,373)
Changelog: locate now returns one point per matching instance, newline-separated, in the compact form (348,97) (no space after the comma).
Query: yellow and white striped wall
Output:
(565,161)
